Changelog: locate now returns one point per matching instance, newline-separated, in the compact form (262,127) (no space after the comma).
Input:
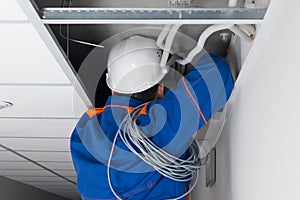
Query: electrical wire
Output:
(67,37)
(79,41)
(168,165)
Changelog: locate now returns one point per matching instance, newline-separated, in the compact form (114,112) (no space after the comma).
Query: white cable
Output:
(108,167)
(168,165)
(82,42)
(68,34)
(135,135)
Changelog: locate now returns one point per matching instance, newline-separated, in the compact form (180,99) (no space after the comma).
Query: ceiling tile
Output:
(49,183)
(9,156)
(66,173)
(18,165)
(20,172)
(26,179)
(10,10)
(66,187)
(25,58)
(57,166)
(39,101)
(49,156)
(36,144)
(37,127)
(73,178)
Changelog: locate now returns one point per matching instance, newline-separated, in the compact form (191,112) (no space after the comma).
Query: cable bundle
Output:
(165,163)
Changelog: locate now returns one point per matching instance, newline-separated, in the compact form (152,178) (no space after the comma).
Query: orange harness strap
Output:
(194,101)
(94,111)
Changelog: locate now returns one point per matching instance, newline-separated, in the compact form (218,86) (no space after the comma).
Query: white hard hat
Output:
(134,65)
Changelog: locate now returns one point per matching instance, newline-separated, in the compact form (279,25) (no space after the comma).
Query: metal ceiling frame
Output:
(152,15)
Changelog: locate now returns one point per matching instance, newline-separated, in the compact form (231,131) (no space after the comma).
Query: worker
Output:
(106,168)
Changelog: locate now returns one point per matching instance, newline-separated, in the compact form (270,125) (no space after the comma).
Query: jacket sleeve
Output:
(184,110)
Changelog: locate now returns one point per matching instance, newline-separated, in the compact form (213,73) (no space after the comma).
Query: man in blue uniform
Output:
(169,120)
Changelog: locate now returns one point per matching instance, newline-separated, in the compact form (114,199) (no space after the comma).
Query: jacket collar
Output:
(123,100)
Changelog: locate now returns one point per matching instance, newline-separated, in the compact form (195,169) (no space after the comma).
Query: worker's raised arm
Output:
(184,110)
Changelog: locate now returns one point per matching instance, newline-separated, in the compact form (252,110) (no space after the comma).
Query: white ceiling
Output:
(35,144)
(32,62)
(36,130)
(39,101)
(11,11)
(27,127)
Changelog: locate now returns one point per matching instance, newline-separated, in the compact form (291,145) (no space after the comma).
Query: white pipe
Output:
(241,33)
(168,45)
(248,27)
(202,39)
(232,3)
(163,34)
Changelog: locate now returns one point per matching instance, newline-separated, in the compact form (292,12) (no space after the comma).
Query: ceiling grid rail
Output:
(37,164)
(152,15)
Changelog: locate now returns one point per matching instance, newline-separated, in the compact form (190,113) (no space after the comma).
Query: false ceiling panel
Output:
(49,156)
(28,172)
(48,128)
(36,144)
(49,183)
(58,165)
(63,168)
(17,165)
(42,102)
(8,156)
(54,178)
(57,188)
(66,173)
(25,58)
(10,11)
(36,179)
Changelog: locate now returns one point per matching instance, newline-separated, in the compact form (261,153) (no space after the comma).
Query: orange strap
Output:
(194,101)
(94,111)
(186,196)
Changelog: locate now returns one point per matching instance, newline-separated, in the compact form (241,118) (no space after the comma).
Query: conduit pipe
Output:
(241,33)
(168,44)
(202,39)
(214,28)
(163,34)
(250,29)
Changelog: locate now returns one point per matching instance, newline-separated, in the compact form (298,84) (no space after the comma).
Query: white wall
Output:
(258,152)
(264,121)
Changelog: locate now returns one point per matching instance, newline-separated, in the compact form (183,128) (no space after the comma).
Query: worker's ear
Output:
(160,91)
(112,92)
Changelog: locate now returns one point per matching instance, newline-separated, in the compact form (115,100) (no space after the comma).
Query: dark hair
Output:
(147,95)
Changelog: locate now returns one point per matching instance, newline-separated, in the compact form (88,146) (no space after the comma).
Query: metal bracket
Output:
(210,168)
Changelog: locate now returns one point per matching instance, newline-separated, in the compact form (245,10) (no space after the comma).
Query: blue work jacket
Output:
(169,122)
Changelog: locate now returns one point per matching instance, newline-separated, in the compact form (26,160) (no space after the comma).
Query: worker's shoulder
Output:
(93,111)
(87,116)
